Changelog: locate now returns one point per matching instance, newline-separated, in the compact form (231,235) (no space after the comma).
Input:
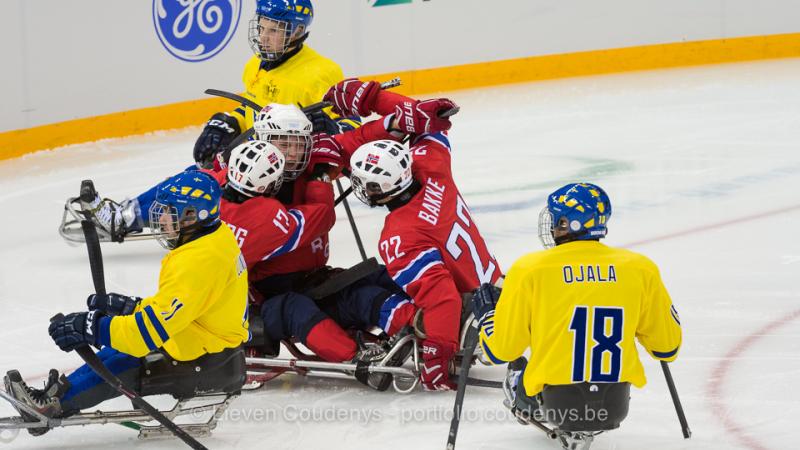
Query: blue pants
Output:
(359,306)
(87,389)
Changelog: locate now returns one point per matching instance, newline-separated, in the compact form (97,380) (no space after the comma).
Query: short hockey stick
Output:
(687,433)
(470,342)
(91,359)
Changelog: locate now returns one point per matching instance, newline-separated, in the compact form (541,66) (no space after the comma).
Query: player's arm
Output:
(505,331)
(181,299)
(659,329)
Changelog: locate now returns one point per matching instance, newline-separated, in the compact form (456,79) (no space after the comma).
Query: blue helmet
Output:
(186,205)
(580,209)
(286,27)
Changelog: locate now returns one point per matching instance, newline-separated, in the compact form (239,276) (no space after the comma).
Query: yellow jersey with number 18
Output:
(580,307)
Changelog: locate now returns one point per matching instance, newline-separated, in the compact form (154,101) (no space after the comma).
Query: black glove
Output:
(484,300)
(112,304)
(76,329)
(322,123)
(219,131)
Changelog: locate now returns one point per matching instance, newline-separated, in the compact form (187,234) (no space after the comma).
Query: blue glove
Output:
(113,304)
(484,301)
(219,131)
(76,329)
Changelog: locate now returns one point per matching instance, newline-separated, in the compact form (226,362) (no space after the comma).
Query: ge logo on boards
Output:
(195,30)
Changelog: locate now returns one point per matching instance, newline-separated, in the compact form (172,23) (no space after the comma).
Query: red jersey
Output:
(276,238)
(431,246)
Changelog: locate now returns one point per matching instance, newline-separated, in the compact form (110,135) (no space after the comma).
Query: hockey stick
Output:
(343,196)
(343,279)
(357,235)
(470,342)
(91,359)
(687,433)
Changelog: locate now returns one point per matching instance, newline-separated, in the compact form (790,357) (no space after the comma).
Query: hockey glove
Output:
(76,329)
(321,122)
(435,371)
(113,304)
(422,116)
(484,302)
(219,131)
(326,157)
(353,97)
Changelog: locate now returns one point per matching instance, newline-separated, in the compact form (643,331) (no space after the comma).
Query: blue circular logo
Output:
(196,30)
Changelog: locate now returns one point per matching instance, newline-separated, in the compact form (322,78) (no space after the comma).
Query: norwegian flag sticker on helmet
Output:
(273,158)
(372,159)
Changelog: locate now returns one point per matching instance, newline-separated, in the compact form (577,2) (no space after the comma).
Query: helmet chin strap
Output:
(295,46)
(404,197)
(571,237)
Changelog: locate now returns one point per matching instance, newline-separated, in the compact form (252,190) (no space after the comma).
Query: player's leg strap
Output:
(222,372)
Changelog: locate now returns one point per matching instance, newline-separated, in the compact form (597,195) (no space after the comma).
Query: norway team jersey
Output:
(302,79)
(432,247)
(200,306)
(579,307)
(279,239)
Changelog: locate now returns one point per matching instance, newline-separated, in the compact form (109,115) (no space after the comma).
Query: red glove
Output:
(422,116)
(435,373)
(353,97)
(326,154)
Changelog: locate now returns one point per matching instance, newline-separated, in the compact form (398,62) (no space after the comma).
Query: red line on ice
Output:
(717,381)
(714,226)
(721,370)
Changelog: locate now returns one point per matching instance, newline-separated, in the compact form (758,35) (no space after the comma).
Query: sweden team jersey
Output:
(302,79)
(200,306)
(579,306)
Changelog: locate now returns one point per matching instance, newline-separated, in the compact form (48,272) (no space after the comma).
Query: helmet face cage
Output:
(546,228)
(270,38)
(296,148)
(166,225)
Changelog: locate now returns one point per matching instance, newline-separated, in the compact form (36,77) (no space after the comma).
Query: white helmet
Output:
(256,168)
(380,170)
(287,128)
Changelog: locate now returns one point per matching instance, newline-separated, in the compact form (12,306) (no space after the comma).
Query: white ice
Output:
(702,166)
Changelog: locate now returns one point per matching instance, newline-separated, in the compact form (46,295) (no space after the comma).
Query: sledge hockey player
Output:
(185,340)
(579,306)
(283,70)
(430,243)
(286,243)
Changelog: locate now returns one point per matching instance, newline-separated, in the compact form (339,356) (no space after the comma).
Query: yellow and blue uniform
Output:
(200,306)
(578,307)
(302,79)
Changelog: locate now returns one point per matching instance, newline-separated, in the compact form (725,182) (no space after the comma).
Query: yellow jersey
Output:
(302,79)
(579,306)
(200,306)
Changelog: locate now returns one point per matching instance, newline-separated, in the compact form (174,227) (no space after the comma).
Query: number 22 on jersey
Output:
(605,354)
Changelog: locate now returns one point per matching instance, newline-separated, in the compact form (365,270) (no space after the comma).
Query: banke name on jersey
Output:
(589,274)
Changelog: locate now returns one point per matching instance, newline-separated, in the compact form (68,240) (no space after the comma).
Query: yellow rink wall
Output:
(178,115)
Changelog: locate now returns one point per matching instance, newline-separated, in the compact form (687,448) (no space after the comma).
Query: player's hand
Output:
(435,371)
(219,131)
(423,116)
(113,304)
(353,97)
(76,329)
(321,122)
(484,302)
(326,156)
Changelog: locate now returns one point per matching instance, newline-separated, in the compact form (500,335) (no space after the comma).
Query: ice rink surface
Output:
(702,166)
